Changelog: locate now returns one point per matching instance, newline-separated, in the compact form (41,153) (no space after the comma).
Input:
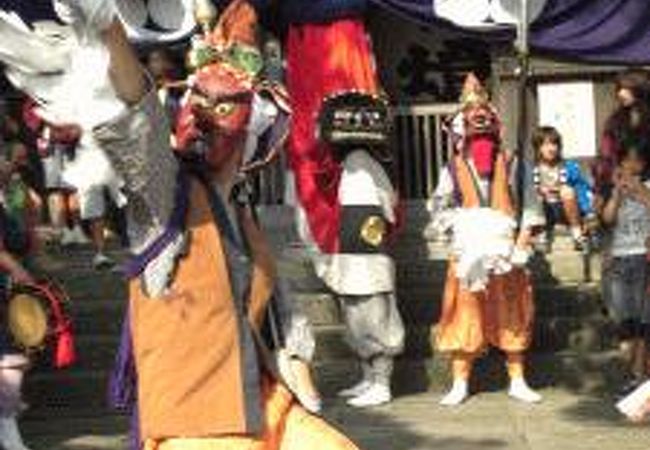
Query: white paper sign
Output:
(570,107)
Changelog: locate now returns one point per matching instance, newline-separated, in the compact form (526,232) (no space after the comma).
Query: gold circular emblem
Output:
(373,230)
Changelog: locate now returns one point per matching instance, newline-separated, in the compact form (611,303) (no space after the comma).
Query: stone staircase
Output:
(573,343)
(98,300)
(573,339)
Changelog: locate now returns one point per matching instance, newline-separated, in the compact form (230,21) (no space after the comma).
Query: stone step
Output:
(557,334)
(420,301)
(99,317)
(416,215)
(551,269)
(593,373)
(94,352)
(96,288)
(423,305)
(72,388)
(56,432)
(572,301)
(82,394)
(565,268)
(584,333)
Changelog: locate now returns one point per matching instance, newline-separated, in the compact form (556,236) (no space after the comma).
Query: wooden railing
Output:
(420,148)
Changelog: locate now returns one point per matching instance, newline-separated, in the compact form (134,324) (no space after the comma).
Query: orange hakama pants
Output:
(287,427)
(500,316)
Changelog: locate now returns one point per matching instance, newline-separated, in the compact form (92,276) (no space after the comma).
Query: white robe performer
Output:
(345,202)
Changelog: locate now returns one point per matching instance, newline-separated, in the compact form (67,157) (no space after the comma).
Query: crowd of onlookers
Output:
(607,208)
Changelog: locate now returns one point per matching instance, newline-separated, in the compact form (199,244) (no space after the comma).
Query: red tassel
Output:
(65,353)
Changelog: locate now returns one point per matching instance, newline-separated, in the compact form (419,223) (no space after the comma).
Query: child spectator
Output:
(565,193)
(627,213)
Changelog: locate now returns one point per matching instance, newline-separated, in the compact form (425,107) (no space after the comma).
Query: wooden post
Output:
(522,122)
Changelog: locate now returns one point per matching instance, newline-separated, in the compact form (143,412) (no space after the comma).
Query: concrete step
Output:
(428,273)
(53,431)
(594,373)
(422,306)
(82,394)
(68,389)
(594,333)
(549,335)
(94,352)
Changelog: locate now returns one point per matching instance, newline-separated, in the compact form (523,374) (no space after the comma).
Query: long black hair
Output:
(630,124)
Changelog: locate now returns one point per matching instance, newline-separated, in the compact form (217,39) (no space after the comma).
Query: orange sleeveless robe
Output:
(187,345)
(501,315)
(189,358)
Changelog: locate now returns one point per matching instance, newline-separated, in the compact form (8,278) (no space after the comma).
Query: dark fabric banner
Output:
(315,11)
(614,31)
(29,10)
(596,30)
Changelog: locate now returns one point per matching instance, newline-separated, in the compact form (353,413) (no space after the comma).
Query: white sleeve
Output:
(443,205)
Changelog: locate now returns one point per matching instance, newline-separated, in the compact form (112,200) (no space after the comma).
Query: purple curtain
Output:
(613,31)
(597,30)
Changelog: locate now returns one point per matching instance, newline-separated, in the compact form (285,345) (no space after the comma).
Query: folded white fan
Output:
(482,243)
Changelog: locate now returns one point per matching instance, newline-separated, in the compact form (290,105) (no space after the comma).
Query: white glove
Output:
(86,15)
(520,257)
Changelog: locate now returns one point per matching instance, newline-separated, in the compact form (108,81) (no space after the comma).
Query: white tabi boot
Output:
(376,394)
(361,386)
(457,394)
(520,390)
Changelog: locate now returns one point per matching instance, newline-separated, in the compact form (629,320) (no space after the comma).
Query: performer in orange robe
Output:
(499,313)
(209,316)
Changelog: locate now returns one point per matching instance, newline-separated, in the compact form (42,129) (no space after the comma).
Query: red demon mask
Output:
(215,116)
(482,126)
